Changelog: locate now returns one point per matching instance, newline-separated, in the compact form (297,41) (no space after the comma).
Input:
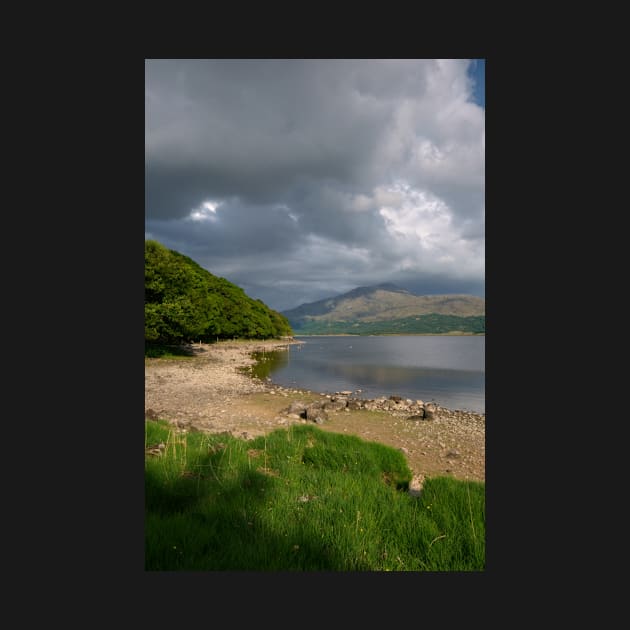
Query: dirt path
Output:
(210,393)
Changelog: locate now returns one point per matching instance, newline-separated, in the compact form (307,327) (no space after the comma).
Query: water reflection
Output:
(448,370)
(391,376)
(268,362)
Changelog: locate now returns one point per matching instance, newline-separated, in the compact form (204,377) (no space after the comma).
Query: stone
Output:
(430,412)
(416,417)
(296,407)
(336,405)
(315,413)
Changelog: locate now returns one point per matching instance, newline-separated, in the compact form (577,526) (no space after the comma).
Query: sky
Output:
(300,179)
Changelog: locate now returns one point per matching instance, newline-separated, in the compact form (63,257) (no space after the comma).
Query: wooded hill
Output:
(184,302)
(388,309)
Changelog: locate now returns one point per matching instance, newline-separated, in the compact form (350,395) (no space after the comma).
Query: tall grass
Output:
(301,500)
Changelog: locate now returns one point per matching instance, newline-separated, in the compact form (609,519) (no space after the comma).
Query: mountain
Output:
(386,308)
(184,302)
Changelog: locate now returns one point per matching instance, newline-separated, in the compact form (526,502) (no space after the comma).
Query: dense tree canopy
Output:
(183,302)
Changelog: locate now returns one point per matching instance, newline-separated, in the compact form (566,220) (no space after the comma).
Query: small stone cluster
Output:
(343,401)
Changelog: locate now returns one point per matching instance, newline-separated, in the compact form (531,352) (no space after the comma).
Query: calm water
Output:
(447,370)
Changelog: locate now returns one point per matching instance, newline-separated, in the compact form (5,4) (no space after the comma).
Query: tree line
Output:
(433,323)
(184,303)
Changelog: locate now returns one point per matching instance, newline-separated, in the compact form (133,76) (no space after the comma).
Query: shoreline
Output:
(210,392)
(447,334)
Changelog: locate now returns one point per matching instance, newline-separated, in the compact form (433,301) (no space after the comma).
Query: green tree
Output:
(184,302)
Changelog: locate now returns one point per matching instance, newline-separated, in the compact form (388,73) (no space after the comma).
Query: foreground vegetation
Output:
(184,302)
(301,500)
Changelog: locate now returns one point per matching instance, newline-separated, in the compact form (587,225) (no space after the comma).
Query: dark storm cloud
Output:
(234,229)
(317,175)
(253,129)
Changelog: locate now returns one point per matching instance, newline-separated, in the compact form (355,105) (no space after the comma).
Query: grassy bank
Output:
(301,500)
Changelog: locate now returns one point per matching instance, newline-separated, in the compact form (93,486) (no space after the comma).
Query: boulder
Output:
(417,416)
(336,405)
(296,407)
(315,413)
(430,411)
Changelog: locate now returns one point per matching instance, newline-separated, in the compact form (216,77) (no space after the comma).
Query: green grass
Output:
(302,500)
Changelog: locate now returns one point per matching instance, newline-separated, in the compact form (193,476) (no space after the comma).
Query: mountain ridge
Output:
(384,306)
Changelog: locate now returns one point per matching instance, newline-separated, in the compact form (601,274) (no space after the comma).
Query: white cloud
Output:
(207,211)
(422,231)
(317,172)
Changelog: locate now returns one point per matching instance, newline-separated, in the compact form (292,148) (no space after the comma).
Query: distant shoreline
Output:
(448,334)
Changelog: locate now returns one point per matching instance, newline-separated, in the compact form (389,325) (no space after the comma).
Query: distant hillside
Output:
(183,302)
(386,308)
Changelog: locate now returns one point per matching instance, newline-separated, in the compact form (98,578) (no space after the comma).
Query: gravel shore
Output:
(210,393)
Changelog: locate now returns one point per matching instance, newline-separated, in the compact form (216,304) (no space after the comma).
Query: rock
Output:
(316,414)
(396,398)
(430,412)
(415,486)
(336,405)
(296,407)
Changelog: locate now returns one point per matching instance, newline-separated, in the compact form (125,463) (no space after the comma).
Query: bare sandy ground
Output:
(209,393)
